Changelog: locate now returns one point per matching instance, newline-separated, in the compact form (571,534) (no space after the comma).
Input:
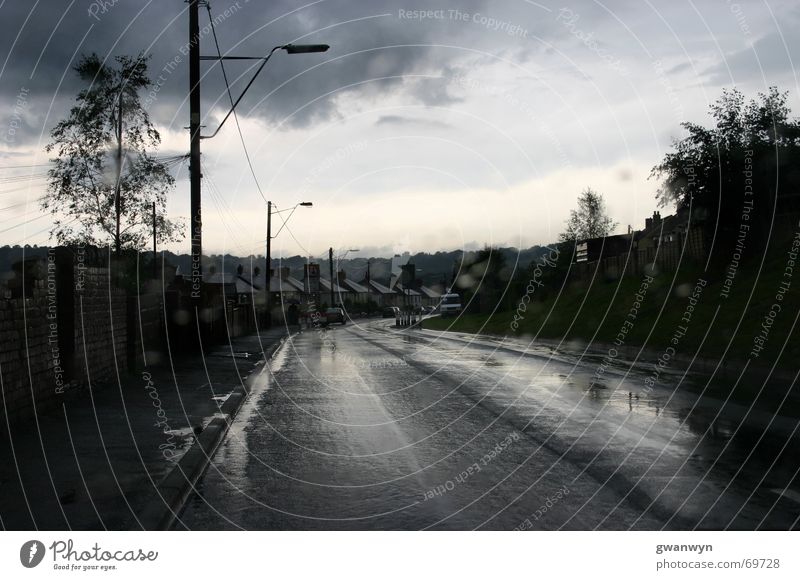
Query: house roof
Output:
(243,287)
(355,286)
(277,284)
(408,292)
(295,283)
(247,281)
(377,287)
(430,292)
(231,283)
(325,283)
(219,278)
(667,225)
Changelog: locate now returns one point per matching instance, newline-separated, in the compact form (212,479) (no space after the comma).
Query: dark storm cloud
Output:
(376,47)
(769,57)
(400,120)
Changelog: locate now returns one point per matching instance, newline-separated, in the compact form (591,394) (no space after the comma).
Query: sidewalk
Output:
(112,457)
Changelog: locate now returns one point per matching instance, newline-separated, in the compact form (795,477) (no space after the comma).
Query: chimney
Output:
(656,218)
(341,277)
(285,272)
(648,223)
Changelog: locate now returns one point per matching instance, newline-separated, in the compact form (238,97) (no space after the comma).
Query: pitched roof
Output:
(378,288)
(295,283)
(277,284)
(355,286)
(430,292)
(407,291)
(219,278)
(245,287)
(326,284)
(667,225)
(247,281)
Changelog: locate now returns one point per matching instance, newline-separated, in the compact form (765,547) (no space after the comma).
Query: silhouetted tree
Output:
(590,220)
(748,159)
(104,181)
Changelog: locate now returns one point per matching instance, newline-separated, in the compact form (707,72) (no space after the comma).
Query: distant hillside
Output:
(431,268)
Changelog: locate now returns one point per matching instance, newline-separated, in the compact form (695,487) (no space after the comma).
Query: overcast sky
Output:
(427,126)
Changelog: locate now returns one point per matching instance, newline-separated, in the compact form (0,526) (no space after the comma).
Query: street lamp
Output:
(195,137)
(289,48)
(304,48)
(268,299)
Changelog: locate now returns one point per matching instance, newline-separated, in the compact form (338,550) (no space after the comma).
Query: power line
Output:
(230,97)
(21,178)
(23,223)
(25,166)
(222,206)
(162,159)
(22,203)
(239,130)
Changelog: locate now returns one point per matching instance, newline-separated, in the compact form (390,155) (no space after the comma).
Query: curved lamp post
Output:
(330,262)
(268,299)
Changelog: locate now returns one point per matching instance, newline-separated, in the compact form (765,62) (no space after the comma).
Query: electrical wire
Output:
(223,207)
(167,159)
(241,135)
(23,203)
(8,229)
(24,166)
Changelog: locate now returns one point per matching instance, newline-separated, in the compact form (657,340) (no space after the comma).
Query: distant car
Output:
(334,315)
(391,312)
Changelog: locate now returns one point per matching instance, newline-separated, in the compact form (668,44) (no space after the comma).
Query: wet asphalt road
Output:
(366,427)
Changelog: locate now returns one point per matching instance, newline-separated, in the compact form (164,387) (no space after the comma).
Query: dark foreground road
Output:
(362,427)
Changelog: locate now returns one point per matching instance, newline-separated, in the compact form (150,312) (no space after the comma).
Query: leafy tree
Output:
(590,220)
(749,158)
(104,181)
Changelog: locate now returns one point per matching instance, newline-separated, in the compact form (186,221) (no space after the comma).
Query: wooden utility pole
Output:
(118,189)
(267,275)
(155,249)
(194,153)
(330,265)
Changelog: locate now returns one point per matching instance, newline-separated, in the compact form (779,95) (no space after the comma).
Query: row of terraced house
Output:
(243,289)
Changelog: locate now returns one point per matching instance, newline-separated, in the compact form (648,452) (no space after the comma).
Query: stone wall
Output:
(30,366)
(62,327)
(146,336)
(100,328)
